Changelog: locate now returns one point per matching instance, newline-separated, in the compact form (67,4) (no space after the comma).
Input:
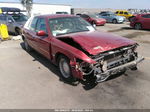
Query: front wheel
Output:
(65,68)
(94,24)
(115,21)
(138,26)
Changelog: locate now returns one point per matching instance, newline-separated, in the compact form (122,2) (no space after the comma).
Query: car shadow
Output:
(127,28)
(47,63)
(87,85)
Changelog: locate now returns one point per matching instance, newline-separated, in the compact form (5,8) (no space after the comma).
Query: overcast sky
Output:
(96,3)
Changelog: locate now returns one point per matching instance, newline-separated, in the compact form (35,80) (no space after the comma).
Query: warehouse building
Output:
(40,8)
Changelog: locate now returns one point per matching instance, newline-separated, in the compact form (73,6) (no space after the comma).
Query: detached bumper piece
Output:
(104,76)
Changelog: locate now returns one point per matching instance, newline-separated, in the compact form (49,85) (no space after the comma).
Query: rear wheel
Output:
(27,46)
(138,26)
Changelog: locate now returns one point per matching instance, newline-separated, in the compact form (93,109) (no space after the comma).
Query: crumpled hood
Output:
(96,42)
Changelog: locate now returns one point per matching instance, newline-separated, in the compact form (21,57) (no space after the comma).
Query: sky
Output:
(116,4)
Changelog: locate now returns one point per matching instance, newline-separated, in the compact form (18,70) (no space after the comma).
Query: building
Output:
(40,8)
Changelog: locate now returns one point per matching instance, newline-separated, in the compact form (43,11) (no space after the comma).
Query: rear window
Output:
(33,24)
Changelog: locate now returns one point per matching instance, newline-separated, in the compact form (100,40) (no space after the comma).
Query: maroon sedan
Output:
(93,19)
(78,49)
(140,21)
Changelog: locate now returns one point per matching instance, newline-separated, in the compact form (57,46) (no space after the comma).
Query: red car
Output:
(140,21)
(78,49)
(93,19)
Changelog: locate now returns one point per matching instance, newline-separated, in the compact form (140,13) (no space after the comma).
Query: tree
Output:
(28,5)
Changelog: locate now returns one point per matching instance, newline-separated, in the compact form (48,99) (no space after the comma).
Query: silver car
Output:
(112,18)
(14,22)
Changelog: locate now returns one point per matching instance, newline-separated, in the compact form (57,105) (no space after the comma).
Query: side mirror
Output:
(41,33)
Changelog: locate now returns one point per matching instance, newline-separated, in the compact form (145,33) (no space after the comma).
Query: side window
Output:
(126,13)
(33,24)
(117,12)
(121,12)
(104,14)
(146,16)
(41,25)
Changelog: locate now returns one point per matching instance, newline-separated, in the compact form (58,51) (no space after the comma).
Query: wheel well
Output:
(114,19)
(138,23)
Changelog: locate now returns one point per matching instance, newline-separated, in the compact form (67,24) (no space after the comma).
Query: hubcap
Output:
(64,68)
(138,26)
(114,21)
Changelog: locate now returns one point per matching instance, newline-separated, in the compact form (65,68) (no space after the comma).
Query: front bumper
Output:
(115,70)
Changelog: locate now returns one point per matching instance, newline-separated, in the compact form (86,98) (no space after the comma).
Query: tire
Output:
(93,24)
(65,68)
(115,21)
(17,31)
(138,26)
(27,46)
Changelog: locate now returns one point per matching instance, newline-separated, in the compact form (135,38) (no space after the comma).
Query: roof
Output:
(37,3)
(56,15)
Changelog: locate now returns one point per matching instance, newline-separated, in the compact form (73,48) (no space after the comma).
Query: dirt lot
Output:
(31,81)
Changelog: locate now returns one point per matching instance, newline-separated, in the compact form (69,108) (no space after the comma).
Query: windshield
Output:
(20,18)
(67,25)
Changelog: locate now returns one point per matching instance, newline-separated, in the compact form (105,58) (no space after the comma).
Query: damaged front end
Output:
(106,63)
(111,62)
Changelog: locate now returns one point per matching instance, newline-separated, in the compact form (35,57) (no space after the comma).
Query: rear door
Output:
(42,42)
(30,33)
(120,13)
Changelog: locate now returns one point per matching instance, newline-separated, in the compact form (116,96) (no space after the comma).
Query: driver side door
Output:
(42,42)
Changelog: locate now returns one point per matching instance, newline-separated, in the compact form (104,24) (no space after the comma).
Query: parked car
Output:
(141,21)
(112,18)
(14,21)
(124,13)
(78,49)
(93,19)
